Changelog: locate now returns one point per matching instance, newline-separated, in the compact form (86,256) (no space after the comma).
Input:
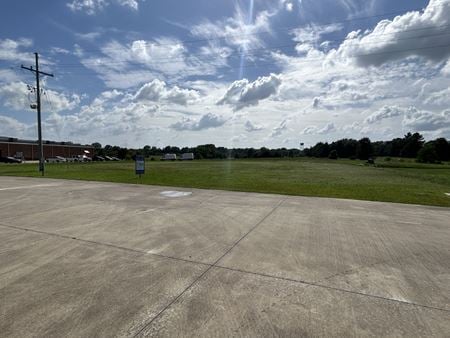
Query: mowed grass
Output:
(393,181)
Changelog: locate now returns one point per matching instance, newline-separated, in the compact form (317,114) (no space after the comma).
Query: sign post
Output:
(140,165)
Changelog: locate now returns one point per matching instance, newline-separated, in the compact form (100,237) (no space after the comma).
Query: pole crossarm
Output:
(31,69)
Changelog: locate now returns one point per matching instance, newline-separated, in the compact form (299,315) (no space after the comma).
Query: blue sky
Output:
(234,73)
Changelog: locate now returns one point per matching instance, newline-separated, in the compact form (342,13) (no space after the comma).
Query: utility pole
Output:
(38,98)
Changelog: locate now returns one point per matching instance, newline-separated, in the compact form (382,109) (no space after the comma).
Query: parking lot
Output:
(87,259)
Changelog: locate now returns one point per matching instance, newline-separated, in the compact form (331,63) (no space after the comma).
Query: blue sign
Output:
(140,165)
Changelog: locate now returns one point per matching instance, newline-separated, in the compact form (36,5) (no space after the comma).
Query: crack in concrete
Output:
(207,270)
(209,267)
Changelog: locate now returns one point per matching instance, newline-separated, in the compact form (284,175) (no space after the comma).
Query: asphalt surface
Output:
(86,259)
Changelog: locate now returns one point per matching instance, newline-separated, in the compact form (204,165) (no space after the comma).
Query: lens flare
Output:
(244,47)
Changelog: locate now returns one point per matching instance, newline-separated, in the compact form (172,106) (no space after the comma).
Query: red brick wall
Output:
(31,151)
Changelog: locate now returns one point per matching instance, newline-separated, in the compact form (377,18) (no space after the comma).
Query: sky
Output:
(235,73)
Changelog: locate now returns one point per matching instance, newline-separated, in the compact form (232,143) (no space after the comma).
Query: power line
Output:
(236,51)
(38,107)
(279,47)
(438,4)
(93,72)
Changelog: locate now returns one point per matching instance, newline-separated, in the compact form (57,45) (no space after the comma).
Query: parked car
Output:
(82,158)
(9,159)
(56,159)
(115,158)
(98,158)
(108,158)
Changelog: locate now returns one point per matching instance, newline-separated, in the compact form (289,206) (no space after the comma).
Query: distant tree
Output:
(395,147)
(412,144)
(264,152)
(146,151)
(345,147)
(442,148)
(333,155)
(364,150)
(428,153)
(96,145)
(320,150)
(122,153)
(207,151)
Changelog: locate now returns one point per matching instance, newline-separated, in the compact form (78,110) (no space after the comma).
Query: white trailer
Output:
(169,157)
(187,156)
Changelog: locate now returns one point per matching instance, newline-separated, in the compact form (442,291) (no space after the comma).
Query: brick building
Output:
(30,150)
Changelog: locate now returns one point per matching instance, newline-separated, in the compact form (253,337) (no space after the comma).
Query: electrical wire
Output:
(86,64)
(437,4)
(301,61)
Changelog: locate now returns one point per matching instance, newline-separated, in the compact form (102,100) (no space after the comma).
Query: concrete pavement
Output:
(101,259)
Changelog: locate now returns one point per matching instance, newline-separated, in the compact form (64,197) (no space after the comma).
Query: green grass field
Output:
(389,181)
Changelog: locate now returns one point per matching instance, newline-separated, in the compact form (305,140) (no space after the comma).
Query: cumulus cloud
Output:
(328,128)
(207,121)
(385,112)
(446,69)
(316,102)
(423,34)
(439,98)
(10,50)
(127,65)
(157,91)
(91,7)
(250,127)
(10,126)
(310,35)
(280,129)
(112,114)
(418,120)
(15,95)
(243,93)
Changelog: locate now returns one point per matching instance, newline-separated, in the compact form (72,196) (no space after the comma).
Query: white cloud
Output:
(15,95)
(422,34)
(10,50)
(418,120)
(328,128)
(59,50)
(207,121)
(127,65)
(91,7)
(237,30)
(439,98)
(243,93)
(311,130)
(11,127)
(316,102)
(446,69)
(250,127)
(280,129)
(157,91)
(288,5)
(310,35)
(385,113)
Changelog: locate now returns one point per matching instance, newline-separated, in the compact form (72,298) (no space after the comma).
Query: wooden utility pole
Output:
(38,107)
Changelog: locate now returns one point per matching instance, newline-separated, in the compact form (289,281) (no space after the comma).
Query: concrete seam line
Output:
(287,279)
(206,271)
(103,244)
(315,284)
(250,231)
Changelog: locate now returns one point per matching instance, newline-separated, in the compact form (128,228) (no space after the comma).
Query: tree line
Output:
(410,146)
